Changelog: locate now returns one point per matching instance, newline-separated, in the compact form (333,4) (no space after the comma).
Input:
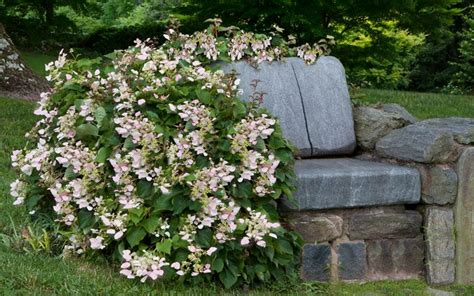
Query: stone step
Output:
(345,183)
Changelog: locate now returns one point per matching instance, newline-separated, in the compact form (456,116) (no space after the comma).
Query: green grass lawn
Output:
(421,105)
(36,61)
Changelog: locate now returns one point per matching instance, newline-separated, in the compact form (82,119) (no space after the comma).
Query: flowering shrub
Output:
(153,160)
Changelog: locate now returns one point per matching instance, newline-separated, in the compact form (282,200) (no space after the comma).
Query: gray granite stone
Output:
(417,143)
(311,101)
(346,183)
(440,245)
(464,215)
(436,292)
(316,262)
(395,258)
(372,124)
(317,228)
(438,184)
(282,98)
(352,261)
(385,225)
(400,111)
(461,128)
(327,105)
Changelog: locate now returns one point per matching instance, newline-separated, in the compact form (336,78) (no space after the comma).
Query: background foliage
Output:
(412,44)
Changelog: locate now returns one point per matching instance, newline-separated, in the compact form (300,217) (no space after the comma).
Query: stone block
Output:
(462,129)
(417,143)
(464,214)
(316,262)
(346,183)
(438,184)
(395,258)
(440,245)
(311,102)
(385,225)
(372,124)
(400,111)
(352,262)
(327,105)
(320,228)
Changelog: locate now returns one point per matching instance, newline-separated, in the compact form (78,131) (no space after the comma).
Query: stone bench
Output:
(375,188)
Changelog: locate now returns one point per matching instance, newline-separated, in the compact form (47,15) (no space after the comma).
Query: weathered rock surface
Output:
(282,98)
(436,292)
(464,214)
(400,111)
(385,225)
(316,265)
(417,143)
(317,228)
(311,101)
(345,183)
(352,261)
(462,129)
(440,246)
(438,184)
(327,106)
(371,124)
(395,258)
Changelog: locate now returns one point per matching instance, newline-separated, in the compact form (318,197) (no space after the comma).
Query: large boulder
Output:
(372,124)
(462,129)
(311,101)
(400,111)
(418,143)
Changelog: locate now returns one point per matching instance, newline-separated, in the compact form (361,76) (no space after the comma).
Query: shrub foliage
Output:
(151,159)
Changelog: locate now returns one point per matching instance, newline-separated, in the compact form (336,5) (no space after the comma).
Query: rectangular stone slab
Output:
(281,99)
(327,105)
(464,215)
(345,183)
(311,102)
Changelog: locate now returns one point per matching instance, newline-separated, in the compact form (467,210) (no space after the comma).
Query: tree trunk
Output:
(16,79)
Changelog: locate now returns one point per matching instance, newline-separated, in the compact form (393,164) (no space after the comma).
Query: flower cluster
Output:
(154,158)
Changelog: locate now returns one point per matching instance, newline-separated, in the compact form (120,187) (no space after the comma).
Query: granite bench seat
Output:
(346,182)
(313,107)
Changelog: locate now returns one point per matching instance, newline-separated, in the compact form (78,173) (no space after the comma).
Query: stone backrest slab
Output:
(311,102)
(327,106)
(281,99)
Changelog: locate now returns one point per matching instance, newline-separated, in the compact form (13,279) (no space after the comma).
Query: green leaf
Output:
(163,203)
(99,115)
(69,173)
(86,219)
(284,155)
(204,96)
(218,265)
(165,246)
(136,215)
(144,188)
(227,278)
(128,144)
(283,246)
(204,237)
(244,189)
(135,236)
(180,203)
(87,129)
(151,224)
(103,154)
